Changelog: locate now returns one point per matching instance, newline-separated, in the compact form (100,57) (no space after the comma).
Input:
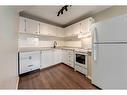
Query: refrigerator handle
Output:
(94,52)
(94,34)
(94,46)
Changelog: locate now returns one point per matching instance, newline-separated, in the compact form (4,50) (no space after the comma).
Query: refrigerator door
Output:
(110,66)
(112,30)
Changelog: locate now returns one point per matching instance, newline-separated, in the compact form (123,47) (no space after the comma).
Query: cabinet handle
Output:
(30,57)
(39,28)
(25,25)
(30,65)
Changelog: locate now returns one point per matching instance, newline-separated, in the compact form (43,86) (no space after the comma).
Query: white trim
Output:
(89,77)
(17,83)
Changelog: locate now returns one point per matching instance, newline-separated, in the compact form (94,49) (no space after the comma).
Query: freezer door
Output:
(110,66)
(112,30)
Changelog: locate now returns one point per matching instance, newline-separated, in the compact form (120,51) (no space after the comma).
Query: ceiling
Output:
(49,13)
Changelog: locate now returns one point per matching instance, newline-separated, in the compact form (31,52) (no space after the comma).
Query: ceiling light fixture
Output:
(62,9)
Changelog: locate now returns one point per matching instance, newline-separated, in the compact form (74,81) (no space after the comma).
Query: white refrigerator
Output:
(109,68)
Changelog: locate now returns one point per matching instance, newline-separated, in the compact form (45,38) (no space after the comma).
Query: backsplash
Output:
(26,41)
(50,43)
(86,43)
(35,42)
(72,44)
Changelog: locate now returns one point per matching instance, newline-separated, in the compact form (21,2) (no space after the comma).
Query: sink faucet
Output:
(55,43)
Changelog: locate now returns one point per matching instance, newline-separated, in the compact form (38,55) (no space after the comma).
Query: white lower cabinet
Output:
(56,56)
(71,58)
(68,57)
(50,57)
(47,58)
(29,61)
(64,56)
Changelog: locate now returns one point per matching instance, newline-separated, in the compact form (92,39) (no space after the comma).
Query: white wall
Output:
(8,48)
(110,12)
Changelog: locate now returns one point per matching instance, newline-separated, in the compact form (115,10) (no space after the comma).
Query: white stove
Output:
(81,61)
(80,50)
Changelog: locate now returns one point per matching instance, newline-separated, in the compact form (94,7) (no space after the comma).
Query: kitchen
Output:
(43,46)
(60,48)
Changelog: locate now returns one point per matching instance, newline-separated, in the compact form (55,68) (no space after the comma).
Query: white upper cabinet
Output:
(68,31)
(75,29)
(72,30)
(50,30)
(22,25)
(86,25)
(28,26)
(59,32)
(32,26)
(44,29)
(35,27)
(81,27)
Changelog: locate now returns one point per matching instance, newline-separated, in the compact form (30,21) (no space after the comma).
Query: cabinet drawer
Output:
(29,61)
(27,55)
(81,69)
(28,66)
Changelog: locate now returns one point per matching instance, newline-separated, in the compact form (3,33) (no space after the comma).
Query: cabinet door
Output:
(35,60)
(72,30)
(52,30)
(64,58)
(57,56)
(29,61)
(22,24)
(75,29)
(85,25)
(44,28)
(24,65)
(67,57)
(71,58)
(59,32)
(32,26)
(68,31)
(47,58)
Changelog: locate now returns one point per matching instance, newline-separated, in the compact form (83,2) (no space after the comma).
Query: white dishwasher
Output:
(29,61)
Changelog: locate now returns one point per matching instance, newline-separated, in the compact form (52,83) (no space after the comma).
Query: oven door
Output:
(81,60)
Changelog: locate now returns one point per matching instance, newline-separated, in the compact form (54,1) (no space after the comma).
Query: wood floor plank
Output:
(57,77)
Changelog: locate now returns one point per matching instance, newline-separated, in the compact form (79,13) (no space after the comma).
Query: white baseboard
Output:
(89,77)
(17,83)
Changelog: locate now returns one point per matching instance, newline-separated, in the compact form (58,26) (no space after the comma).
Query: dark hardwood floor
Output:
(56,77)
